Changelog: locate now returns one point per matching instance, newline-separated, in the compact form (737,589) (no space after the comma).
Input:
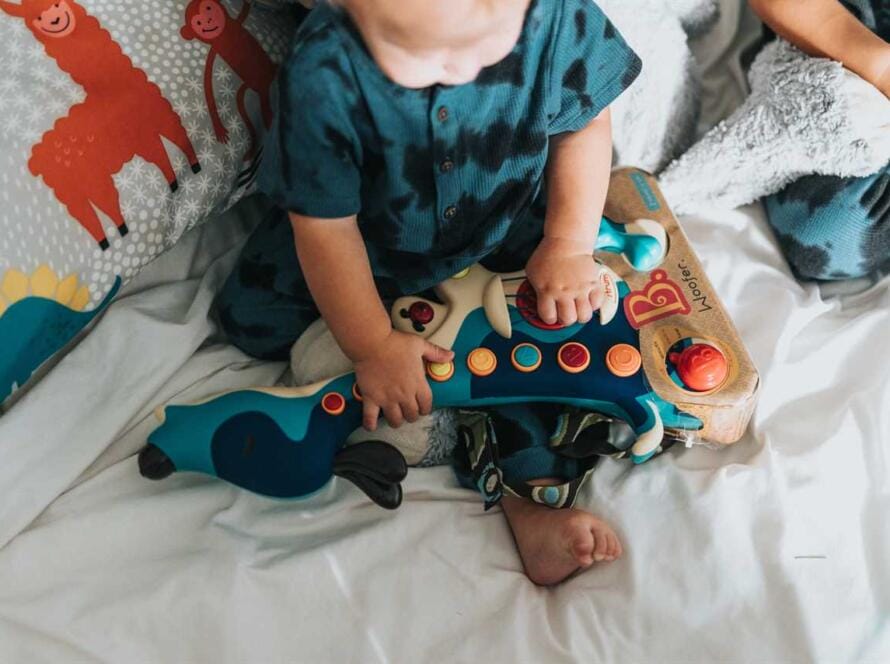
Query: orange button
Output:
(482,362)
(357,393)
(440,371)
(623,360)
(333,403)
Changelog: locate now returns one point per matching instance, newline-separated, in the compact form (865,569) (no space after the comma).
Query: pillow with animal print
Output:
(122,125)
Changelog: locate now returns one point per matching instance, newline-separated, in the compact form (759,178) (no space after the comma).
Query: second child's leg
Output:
(833,228)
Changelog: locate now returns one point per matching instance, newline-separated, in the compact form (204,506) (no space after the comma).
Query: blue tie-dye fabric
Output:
(439,177)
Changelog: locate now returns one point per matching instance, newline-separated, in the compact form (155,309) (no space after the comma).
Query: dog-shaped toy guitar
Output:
(288,443)
(662,355)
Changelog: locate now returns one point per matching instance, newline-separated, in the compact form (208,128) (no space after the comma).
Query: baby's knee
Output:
(262,325)
(248,329)
(833,228)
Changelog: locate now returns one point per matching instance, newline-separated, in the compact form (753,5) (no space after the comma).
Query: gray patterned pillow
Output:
(122,126)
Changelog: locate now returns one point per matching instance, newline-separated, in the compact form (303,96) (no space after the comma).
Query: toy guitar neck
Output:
(287,442)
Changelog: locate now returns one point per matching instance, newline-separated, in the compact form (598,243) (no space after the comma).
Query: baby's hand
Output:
(392,379)
(564,276)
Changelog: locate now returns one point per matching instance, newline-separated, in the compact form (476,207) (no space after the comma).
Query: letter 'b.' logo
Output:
(658,299)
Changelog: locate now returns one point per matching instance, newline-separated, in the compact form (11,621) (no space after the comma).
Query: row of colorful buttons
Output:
(622,360)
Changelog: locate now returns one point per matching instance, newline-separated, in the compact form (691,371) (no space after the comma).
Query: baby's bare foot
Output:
(554,543)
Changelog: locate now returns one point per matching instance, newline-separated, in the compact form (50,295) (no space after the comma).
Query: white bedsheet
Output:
(775,549)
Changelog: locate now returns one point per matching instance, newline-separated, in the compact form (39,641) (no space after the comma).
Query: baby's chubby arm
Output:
(562,269)
(389,364)
(825,28)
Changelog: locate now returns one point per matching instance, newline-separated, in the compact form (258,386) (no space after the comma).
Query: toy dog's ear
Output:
(376,468)
(154,464)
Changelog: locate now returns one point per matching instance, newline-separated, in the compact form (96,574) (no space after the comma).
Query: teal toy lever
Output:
(643,243)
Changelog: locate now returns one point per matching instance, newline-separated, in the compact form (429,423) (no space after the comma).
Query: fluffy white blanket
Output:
(805,115)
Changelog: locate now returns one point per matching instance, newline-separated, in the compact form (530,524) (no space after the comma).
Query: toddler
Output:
(413,139)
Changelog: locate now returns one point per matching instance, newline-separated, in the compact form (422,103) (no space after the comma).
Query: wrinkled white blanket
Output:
(774,549)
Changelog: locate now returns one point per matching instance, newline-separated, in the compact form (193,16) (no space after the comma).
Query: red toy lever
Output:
(701,367)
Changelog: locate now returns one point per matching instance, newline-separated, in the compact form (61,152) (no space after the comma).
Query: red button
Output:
(421,312)
(333,403)
(573,357)
(527,303)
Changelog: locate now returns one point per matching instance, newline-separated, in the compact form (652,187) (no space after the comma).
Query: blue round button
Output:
(526,357)
(551,495)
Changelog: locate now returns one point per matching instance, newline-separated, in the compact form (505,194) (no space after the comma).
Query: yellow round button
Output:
(482,362)
(440,371)
(623,360)
(462,273)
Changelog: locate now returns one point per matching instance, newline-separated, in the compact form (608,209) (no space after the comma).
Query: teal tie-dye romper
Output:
(440,178)
(831,227)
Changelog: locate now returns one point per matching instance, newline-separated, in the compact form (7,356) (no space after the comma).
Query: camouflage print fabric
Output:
(834,228)
(500,451)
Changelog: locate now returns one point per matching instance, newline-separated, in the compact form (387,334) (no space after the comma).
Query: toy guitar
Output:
(289,442)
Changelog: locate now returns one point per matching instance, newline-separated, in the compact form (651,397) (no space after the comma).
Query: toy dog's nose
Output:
(154,464)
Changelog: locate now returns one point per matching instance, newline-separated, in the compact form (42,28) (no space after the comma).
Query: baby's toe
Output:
(582,548)
(601,535)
